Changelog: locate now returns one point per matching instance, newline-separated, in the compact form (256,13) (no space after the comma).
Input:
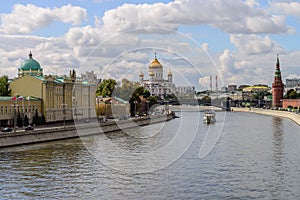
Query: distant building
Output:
(256,89)
(156,84)
(292,83)
(90,77)
(185,90)
(241,87)
(277,87)
(231,88)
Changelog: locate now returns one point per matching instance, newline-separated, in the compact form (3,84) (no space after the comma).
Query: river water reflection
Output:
(256,156)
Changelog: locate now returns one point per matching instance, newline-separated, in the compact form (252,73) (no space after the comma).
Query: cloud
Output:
(230,16)
(255,44)
(287,8)
(26,18)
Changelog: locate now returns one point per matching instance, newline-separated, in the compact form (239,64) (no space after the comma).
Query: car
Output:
(28,128)
(6,129)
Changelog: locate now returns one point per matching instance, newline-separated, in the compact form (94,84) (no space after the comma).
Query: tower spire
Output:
(155,55)
(30,55)
(277,64)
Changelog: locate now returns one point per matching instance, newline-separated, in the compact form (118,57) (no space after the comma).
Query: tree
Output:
(106,88)
(19,119)
(125,89)
(136,99)
(291,94)
(4,86)
(26,120)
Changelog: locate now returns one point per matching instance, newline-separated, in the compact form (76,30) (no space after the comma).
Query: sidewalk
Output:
(290,115)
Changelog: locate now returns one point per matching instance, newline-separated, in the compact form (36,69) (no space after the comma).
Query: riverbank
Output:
(46,134)
(285,114)
(191,108)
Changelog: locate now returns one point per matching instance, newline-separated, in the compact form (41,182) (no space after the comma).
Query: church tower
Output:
(277,87)
(141,76)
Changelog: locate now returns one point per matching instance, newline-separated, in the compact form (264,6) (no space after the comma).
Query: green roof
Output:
(30,64)
(8,98)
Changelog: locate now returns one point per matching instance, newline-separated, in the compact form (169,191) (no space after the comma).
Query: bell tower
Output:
(277,87)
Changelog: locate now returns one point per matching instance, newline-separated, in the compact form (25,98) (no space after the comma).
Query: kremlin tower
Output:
(277,87)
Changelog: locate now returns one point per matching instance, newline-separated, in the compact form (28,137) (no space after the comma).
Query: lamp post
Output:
(15,115)
(64,114)
(29,110)
(148,102)
(135,102)
(98,108)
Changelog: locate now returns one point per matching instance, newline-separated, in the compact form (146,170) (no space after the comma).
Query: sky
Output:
(237,41)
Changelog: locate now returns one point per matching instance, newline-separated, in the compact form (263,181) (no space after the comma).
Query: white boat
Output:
(209,116)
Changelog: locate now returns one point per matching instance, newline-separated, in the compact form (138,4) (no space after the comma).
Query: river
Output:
(247,156)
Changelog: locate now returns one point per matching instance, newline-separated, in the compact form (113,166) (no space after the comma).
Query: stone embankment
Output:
(80,130)
(290,115)
(190,108)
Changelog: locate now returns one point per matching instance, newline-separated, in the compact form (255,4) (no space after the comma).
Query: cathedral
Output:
(156,84)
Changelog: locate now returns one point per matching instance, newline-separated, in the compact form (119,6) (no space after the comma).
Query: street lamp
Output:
(135,102)
(64,114)
(148,102)
(15,115)
(98,108)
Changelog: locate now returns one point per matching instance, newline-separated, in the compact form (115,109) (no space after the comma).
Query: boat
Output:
(209,116)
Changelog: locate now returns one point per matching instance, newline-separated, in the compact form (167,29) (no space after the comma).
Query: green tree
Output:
(19,119)
(106,88)
(125,89)
(35,119)
(26,120)
(291,94)
(135,98)
(4,85)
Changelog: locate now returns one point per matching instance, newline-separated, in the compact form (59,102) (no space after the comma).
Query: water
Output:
(256,156)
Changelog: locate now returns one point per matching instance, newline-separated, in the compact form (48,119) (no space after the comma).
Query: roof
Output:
(9,98)
(30,64)
(155,64)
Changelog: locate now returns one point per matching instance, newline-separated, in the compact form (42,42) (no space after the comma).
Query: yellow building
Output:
(62,97)
(9,108)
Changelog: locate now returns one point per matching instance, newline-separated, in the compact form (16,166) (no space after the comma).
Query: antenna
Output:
(210,85)
(216,83)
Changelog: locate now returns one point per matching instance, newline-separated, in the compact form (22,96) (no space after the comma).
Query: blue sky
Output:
(236,40)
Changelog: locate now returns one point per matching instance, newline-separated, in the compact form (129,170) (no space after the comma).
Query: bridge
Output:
(223,104)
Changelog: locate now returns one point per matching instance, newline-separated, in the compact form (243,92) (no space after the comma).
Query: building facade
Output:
(156,84)
(25,106)
(292,83)
(295,103)
(62,97)
(277,87)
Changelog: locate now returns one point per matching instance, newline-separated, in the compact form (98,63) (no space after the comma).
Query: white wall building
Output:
(156,84)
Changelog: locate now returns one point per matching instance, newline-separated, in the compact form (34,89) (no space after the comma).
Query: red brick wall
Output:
(290,102)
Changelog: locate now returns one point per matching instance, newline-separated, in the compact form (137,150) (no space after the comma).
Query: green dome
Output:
(30,64)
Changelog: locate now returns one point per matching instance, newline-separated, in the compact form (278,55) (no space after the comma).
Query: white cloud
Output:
(26,18)
(255,44)
(94,47)
(289,8)
(231,16)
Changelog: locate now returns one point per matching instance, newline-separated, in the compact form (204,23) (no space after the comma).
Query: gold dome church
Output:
(156,84)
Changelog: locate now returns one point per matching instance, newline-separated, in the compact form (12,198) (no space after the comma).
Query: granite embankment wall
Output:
(290,115)
(80,130)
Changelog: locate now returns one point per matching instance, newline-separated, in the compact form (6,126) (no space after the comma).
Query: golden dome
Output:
(155,64)
(170,73)
(151,74)
(141,74)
